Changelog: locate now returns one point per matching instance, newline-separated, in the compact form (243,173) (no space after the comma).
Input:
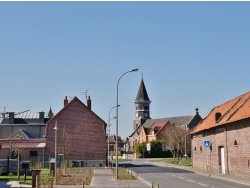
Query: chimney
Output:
(41,117)
(11,118)
(89,102)
(197,110)
(65,101)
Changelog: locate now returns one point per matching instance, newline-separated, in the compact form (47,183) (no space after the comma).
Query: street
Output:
(3,184)
(171,177)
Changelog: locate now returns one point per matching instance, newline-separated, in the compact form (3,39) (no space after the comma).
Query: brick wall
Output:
(80,133)
(234,138)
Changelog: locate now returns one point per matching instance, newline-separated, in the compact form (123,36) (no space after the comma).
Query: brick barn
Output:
(81,134)
(221,141)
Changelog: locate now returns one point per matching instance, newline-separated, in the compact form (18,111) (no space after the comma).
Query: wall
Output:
(80,134)
(234,138)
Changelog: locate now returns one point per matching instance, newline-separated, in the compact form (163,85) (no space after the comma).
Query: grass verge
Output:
(181,162)
(125,174)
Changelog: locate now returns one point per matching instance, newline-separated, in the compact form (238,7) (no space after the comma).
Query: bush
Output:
(155,152)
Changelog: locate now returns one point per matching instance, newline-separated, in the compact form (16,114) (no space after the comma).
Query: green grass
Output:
(182,161)
(28,178)
(124,174)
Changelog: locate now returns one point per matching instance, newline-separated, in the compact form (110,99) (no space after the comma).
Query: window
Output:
(235,143)
(33,153)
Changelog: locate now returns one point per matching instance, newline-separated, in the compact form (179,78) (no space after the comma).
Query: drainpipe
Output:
(227,151)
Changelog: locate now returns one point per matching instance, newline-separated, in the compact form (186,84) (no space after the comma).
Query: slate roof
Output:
(231,111)
(178,121)
(21,134)
(26,117)
(142,94)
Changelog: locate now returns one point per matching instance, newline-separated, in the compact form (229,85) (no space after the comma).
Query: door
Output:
(222,160)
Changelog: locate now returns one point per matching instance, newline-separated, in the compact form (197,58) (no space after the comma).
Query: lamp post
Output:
(185,142)
(109,128)
(108,137)
(55,147)
(116,142)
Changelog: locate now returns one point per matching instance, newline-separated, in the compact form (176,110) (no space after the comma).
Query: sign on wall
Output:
(206,143)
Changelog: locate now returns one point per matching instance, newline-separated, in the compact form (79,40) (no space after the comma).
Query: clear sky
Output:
(192,54)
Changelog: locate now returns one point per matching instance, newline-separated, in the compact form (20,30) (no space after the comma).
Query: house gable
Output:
(80,131)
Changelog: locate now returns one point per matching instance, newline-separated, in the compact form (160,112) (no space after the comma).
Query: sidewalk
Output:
(103,178)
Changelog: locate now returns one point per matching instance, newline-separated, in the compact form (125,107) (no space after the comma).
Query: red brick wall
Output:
(237,156)
(84,133)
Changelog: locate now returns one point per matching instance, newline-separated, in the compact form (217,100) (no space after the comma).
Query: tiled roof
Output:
(178,121)
(230,111)
(24,145)
(155,128)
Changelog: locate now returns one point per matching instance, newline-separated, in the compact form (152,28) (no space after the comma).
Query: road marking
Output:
(191,181)
(202,184)
(181,178)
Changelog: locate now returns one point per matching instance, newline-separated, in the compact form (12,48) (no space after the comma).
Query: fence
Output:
(86,160)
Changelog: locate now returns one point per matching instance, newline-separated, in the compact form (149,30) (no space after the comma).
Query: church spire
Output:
(142,106)
(142,94)
(50,114)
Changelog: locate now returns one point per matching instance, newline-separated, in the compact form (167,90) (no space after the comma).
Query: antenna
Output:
(85,93)
(141,74)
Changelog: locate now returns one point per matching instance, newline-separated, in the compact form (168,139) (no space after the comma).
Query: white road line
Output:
(202,184)
(191,181)
(181,178)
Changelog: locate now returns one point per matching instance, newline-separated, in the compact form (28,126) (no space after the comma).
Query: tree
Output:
(175,140)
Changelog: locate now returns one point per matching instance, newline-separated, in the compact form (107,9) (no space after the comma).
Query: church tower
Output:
(142,106)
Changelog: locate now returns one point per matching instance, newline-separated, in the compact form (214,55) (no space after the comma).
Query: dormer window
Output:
(217,116)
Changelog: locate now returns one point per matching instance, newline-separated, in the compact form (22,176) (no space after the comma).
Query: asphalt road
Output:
(3,184)
(170,177)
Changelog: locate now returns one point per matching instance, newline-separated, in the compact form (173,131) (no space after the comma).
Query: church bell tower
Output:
(142,106)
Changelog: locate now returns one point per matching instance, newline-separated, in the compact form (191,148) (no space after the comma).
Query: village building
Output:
(146,129)
(80,135)
(220,142)
(112,143)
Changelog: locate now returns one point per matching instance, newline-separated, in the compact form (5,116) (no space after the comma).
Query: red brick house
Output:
(81,134)
(221,141)
(112,143)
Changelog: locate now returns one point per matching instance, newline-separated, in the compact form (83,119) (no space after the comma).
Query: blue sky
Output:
(192,54)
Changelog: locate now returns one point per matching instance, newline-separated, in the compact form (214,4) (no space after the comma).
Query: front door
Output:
(222,160)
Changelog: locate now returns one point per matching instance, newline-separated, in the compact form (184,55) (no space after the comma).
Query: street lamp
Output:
(116,142)
(55,147)
(109,136)
(109,128)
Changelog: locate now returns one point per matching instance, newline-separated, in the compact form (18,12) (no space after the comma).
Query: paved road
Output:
(171,177)
(3,184)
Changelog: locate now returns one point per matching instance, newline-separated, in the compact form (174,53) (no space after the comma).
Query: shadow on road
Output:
(148,168)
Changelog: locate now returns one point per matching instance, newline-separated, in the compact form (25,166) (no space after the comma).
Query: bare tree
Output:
(175,140)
